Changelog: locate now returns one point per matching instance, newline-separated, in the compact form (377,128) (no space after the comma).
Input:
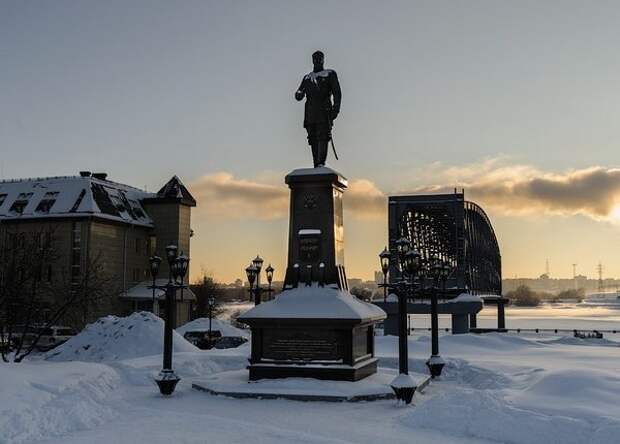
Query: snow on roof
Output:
(314,302)
(174,189)
(79,196)
(466,297)
(301,173)
(463,297)
(142,291)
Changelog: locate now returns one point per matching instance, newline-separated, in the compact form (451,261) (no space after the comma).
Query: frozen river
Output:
(570,316)
(561,316)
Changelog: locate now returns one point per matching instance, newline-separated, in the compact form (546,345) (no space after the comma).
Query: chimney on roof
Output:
(100,176)
(85,173)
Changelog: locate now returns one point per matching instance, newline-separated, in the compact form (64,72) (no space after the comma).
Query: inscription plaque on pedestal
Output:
(288,344)
(310,247)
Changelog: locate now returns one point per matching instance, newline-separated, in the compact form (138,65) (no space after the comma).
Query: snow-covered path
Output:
(496,388)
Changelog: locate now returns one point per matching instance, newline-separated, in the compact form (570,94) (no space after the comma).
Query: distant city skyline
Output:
(517,102)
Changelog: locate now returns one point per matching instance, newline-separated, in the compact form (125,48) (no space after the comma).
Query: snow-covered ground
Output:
(495,388)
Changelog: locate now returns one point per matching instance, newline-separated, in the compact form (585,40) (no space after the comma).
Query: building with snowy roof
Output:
(89,217)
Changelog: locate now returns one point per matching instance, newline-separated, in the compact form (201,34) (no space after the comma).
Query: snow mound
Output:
(489,342)
(483,414)
(114,338)
(581,393)
(202,324)
(42,400)
(466,374)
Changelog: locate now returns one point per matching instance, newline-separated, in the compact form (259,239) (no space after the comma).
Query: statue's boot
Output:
(322,152)
(315,154)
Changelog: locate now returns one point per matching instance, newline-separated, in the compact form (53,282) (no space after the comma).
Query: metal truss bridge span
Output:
(453,229)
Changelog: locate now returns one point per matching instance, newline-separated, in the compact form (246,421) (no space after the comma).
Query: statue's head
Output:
(317,59)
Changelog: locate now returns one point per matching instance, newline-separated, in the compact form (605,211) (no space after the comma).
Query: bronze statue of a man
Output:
(318,87)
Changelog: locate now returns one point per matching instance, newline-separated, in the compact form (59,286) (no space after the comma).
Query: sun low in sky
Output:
(517,102)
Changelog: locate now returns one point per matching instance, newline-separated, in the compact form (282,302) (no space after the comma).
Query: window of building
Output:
(103,200)
(120,202)
(76,252)
(2,198)
(152,245)
(138,245)
(77,203)
(20,203)
(47,202)
(137,209)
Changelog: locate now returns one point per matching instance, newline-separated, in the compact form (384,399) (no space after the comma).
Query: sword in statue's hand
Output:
(331,137)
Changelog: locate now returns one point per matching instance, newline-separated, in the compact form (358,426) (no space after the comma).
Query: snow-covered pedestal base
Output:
(235,384)
(313,332)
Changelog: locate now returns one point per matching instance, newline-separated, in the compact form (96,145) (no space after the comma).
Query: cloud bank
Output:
(223,196)
(494,184)
(522,189)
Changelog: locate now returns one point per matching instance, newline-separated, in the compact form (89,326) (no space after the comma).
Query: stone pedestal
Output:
(316,232)
(315,328)
(315,332)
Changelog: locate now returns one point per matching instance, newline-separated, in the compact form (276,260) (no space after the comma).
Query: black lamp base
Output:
(404,394)
(167,381)
(435,365)
(404,387)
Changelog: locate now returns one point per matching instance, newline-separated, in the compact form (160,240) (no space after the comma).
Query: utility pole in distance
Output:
(575,276)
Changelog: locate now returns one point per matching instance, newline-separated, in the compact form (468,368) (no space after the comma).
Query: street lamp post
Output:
(408,263)
(253,274)
(211,305)
(439,271)
(154,262)
(384,258)
(269,272)
(258,263)
(177,265)
(402,246)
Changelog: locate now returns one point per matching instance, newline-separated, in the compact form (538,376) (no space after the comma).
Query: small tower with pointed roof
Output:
(170,210)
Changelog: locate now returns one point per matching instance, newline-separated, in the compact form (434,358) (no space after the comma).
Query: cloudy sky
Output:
(517,102)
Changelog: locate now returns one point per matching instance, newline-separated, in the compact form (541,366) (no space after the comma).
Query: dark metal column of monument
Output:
(316,233)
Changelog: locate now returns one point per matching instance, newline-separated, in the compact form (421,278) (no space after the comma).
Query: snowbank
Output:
(483,414)
(41,400)
(112,338)
(202,324)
